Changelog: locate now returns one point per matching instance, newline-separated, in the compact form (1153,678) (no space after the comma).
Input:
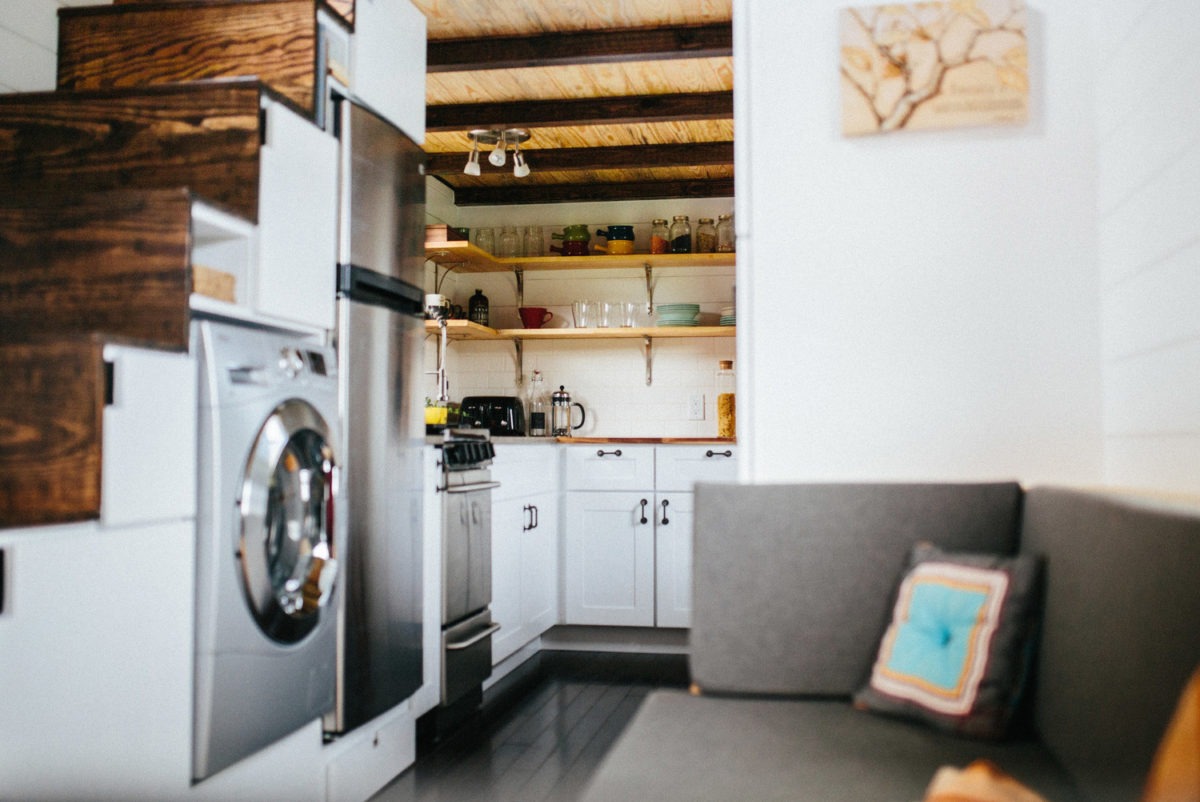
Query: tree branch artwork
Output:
(933,65)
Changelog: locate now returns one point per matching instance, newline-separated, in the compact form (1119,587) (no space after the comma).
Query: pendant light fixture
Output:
(500,139)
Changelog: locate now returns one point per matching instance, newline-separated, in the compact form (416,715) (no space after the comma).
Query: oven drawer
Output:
(466,655)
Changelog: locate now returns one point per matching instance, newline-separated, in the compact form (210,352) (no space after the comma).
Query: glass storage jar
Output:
(660,236)
(681,235)
(725,234)
(726,399)
(706,236)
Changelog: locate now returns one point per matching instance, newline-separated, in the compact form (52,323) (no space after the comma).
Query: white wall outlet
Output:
(695,408)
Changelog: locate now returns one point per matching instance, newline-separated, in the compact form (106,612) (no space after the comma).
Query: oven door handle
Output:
(471,488)
(471,641)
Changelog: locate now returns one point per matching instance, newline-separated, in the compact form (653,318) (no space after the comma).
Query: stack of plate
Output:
(677,314)
(728,316)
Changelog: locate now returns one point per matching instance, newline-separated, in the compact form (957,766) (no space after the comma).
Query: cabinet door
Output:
(673,520)
(507,535)
(610,467)
(297,219)
(609,577)
(680,467)
(539,565)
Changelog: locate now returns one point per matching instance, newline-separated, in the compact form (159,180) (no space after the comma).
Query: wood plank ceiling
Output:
(624,99)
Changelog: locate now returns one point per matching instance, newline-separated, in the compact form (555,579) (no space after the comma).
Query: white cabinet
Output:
(149,454)
(628,538)
(388,49)
(609,544)
(297,219)
(524,545)
(609,576)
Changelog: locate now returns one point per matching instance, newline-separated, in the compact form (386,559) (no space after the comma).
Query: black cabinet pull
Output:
(726,453)
(603,453)
(528,523)
(536,519)
(665,520)
(644,503)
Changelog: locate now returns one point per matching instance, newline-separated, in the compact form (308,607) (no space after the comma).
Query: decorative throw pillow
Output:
(959,645)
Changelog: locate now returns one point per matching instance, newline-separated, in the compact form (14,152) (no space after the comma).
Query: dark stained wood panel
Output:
(51,414)
(135,45)
(622,157)
(342,8)
(587,193)
(115,263)
(583,111)
(203,135)
(580,47)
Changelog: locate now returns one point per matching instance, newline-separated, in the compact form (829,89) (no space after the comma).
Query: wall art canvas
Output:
(933,65)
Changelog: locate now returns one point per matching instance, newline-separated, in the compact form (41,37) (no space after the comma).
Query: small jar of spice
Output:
(725,235)
(660,236)
(726,399)
(681,234)
(706,236)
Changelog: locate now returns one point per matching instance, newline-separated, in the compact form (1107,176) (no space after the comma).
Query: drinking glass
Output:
(628,314)
(602,312)
(533,241)
(582,312)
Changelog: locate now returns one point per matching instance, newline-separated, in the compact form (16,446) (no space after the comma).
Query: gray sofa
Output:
(793,589)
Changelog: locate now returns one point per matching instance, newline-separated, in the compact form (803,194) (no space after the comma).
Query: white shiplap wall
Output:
(1148,135)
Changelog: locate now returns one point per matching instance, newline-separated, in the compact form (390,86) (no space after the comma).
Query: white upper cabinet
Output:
(388,62)
(298,211)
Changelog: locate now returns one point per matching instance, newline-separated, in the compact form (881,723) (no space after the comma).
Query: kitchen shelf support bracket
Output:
(520,274)
(519,347)
(649,291)
(450,267)
(646,345)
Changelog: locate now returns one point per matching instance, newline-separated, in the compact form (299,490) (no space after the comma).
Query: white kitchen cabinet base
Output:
(609,559)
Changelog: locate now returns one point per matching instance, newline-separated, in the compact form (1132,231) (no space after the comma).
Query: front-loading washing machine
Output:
(268,523)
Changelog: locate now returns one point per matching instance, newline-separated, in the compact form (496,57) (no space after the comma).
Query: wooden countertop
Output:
(650,440)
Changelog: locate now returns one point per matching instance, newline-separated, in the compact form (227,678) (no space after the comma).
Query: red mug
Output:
(534,317)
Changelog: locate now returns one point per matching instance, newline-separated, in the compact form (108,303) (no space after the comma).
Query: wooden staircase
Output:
(159,107)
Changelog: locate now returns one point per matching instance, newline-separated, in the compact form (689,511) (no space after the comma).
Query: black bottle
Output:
(478,308)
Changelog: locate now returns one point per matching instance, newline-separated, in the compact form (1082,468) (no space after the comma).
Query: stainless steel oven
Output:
(467,625)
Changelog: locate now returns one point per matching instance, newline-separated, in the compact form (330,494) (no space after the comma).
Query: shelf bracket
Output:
(649,291)
(520,274)
(519,347)
(450,267)
(646,344)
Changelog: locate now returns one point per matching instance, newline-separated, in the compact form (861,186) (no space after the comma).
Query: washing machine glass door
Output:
(287,549)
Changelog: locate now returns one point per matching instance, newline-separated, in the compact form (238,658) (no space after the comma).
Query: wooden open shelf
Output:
(466,330)
(466,258)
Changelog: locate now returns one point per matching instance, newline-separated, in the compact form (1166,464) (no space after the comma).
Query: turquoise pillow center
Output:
(933,644)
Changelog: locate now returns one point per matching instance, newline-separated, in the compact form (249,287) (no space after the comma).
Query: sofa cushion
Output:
(792,583)
(1120,629)
(681,747)
(956,651)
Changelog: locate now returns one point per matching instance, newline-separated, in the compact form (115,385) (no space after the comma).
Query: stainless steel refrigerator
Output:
(379,336)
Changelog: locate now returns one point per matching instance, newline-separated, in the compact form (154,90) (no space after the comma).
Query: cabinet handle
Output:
(603,453)
(665,520)
(528,523)
(726,453)
(644,519)
(536,518)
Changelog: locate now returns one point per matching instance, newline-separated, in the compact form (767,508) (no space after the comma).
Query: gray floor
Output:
(540,738)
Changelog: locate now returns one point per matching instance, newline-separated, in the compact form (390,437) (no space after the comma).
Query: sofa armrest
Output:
(793,583)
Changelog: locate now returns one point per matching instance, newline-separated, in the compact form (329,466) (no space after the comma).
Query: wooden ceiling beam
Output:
(624,157)
(576,193)
(624,110)
(580,47)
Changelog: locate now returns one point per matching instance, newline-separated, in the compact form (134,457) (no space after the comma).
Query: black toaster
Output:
(499,414)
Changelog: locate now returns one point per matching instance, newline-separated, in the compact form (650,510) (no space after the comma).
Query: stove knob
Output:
(290,362)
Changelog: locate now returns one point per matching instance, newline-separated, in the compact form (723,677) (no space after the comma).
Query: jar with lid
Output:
(510,242)
(660,236)
(726,399)
(477,308)
(681,235)
(725,234)
(706,236)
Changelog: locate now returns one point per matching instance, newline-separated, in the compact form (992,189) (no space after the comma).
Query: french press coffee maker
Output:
(560,413)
